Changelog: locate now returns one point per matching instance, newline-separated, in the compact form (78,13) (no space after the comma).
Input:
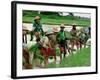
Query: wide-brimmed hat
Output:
(49,31)
(55,29)
(62,26)
(24,27)
(37,18)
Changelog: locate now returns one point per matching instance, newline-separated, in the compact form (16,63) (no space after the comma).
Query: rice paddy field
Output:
(80,59)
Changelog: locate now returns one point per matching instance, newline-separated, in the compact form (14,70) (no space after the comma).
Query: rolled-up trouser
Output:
(63,44)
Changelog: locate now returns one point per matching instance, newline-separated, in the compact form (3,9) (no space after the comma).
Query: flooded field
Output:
(46,27)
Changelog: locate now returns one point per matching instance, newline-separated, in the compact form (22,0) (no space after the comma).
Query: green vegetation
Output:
(80,59)
(54,18)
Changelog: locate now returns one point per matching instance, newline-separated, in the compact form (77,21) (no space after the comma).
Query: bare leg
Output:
(77,44)
(64,51)
(60,57)
(72,46)
(46,62)
(55,58)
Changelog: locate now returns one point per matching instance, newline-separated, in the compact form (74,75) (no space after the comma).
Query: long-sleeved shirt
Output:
(61,35)
(37,27)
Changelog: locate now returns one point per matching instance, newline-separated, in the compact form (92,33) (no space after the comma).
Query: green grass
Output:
(54,19)
(58,20)
(80,59)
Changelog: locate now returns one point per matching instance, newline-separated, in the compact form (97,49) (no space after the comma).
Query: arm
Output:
(57,37)
(33,26)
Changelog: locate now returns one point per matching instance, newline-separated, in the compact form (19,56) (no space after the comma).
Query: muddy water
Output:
(46,27)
